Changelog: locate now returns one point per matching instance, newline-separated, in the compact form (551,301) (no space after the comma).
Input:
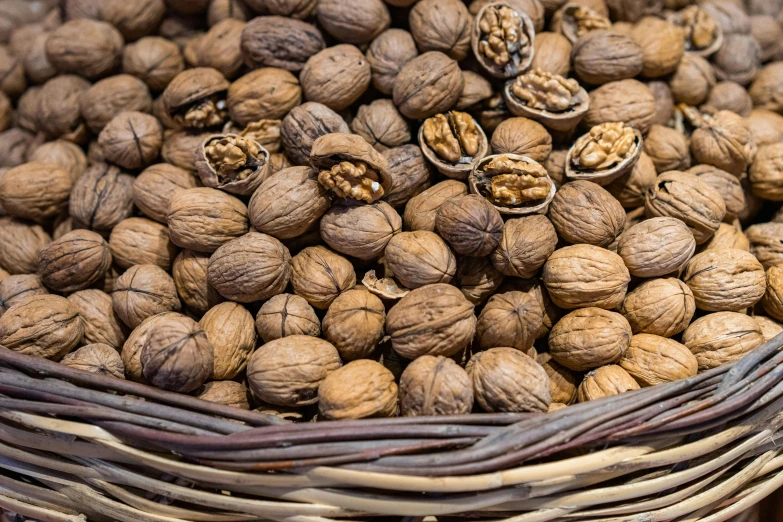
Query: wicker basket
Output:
(73,446)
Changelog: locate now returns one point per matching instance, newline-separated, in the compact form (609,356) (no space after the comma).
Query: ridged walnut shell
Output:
(35,191)
(512,319)
(766,243)
(101,198)
(656,247)
(285,315)
(662,307)
(562,381)
(277,41)
(231,331)
(773,298)
(75,261)
(604,382)
(143,291)
(189,271)
(360,231)
(354,323)
(725,142)
(228,393)
(96,358)
(319,275)
(203,219)
(426,85)
(470,224)
(101,323)
(139,241)
(358,390)
(435,386)
(477,278)
(525,245)
(583,212)
(507,380)
(20,244)
(331,149)
(588,338)
(45,326)
(652,360)
(721,338)
(725,280)
(387,53)
(420,258)
(16,288)
(422,209)
(156,185)
(627,101)
(131,350)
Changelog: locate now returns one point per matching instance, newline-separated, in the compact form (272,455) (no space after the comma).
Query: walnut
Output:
(725,280)
(35,191)
(387,54)
(354,323)
(45,326)
(578,276)
(65,154)
(360,389)
(360,231)
(685,197)
(446,328)
(381,125)
(265,132)
(276,41)
(96,358)
(602,56)
(604,382)
(609,103)
(765,90)
(319,275)
(232,334)
(728,236)
(58,114)
(15,288)
(250,268)
(730,96)
(108,97)
(514,319)
(471,225)
(143,291)
(189,271)
(769,328)
(441,26)
(702,35)
(36,64)
(226,393)
(137,241)
(766,172)
(583,212)
(101,323)
(522,136)
(131,140)
(356,22)
(562,381)
(651,360)
(768,33)
(656,247)
(661,307)
(179,147)
(232,163)
(629,189)
(525,245)
(475,90)
(435,386)
(410,173)
(422,209)
(575,21)
(453,142)
(738,59)
(503,40)
(555,101)
(131,350)
(766,242)
(588,338)
(306,123)
(20,244)
(725,141)
(300,9)
(267,93)
(427,84)
(15,143)
(336,76)
(288,371)
(101,198)
(420,258)
(196,98)
(220,48)
(203,219)
(177,355)
(662,43)
(667,148)
(87,47)
(284,315)
(721,338)
(154,60)
(507,380)
(693,80)
(606,152)
(514,184)
(477,278)
(155,186)
(74,261)
(13,81)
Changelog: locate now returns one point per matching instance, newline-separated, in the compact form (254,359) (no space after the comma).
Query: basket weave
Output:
(76,446)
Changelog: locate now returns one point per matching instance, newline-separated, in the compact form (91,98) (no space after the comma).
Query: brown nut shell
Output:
(422,209)
(20,244)
(232,334)
(138,241)
(461,169)
(481,43)
(203,219)
(525,245)
(143,291)
(583,212)
(319,275)
(428,84)
(227,393)
(725,280)
(96,358)
(652,360)
(507,380)
(512,319)
(604,382)
(766,242)
(354,323)
(562,381)
(75,261)
(470,224)
(45,326)
(101,323)
(285,315)
(361,231)
(156,185)
(435,386)
(232,164)
(16,288)
(588,338)
(101,198)
(420,258)
(358,390)
(721,338)
(656,247)
(661,307)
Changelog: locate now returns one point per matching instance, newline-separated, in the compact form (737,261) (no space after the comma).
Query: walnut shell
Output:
(220,48)
(422,209)
(661,307)
(693,81)
(583,212)
(609,103)
(289,371)
(656,247)
(15,288)
(20,244)
(58,114)
(203,219)
(604,382)
(447,328)
(773,298)
(300,9)
(420,258)
(738,59)
(588,338)
(724,183)
(664,102)
(730,96)
(87,47)
(471,225)
(410,173)
(277,41)
(525,245)
(522,136)
(45,326)
(562,381)
(765,90)
(232,334)
(35,191)
(579,276)
(766,243)
(189,271)
(263,94)
(108,97)
(131,140)
(336,76)
(96,358)
(178,149)
(721,338)
(551,53)
(603,56)
(138,241)
(306,123)
(101,323)
(477,278)
(361,231)
(143,291)
(154,60)
(387,53)
(358,390)
(381,125)
(513,319)
(101,198)
(435,386)
(64,154)
(227,393)
(507,380)
(769,328)
(728,236)
(428,84)
(441,26)
(319,275)
(629,189)
(662,43)
(13,80)
(193,98)
(354,323)
(74,261)
(131,350)
(724,142)
(356,21)
(155,186)
(651,360)
(15,143)
(725,280)
(476,90)
(285,315)
(766,172)
(667,148)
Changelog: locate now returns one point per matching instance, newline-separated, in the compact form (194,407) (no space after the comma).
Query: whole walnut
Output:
(319,275)
(730,96)
(306,123)
(725,142)
(727,185)
(721,338)
(137,241)
(522,136)
(101,323)
(336,76)
(131,350)
(514,319)
(729,15)
(477,278)
(361,231)
(525,245)
(446,328)
(728,236)
(773,298)
(250,268)
(13,81)
(96,358)
(35,63)
(604,382)
(232,333)
(143,291)
(58,114)
(381,125)
(45,326)
(189,271)
(667,148)
(664,102)
(263,94)
(766,90)
(562,381)
(154,60)
(579,276)
(766,243)
(177,355)
(507,380)
(476,89)
(766,172)
(661,307)
(738,59)
(74,262)
(110,96)
(358,390)
(656,247)
(768,33)
(651,360)
(662,43)
(420,258)
(769,328)
(583,212)
(284,315)
(603,56)
(203,219)
(435,386)
(471,225)
(609,103)
(422,209)
(551,53)
(630,188)
(277,41)
(196,98)
(16,288)
(353,21)
(64,154)
(134,19)
(227,393)
(35,191)
(693,80)
(179,147)
(101,198)
(90,48)
(427,85)
(685,197)
(410,173)
(20,244)
(588,338)
(15,144)
(289,371)
(725,280)
(155,186)
(131,139)
(443,26)
(220,48)
(387,53)
(354,323)
(300,9)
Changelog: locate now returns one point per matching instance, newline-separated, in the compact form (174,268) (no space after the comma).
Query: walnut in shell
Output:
(605,153)
(64,154)
(604,382)
(503,39)
(766,172)
(354,323)
(154,60)
(189,271)
(661,307)
(58,114)
(306,123)
(143,291)
(361,231)
(725,280)
(730,96)
(420,258)
(131,350)
(90,48)
(319,275)
(422,209)
(471,225)
(196,98)
(277,41)
(410,172)
(381,125)
(721,338)
(588,338)
(667,148)
(609,103)
(477,278)
(453,142)
(74,261)
(138,241)
(769,328)
(583,212)
(16,288)
(602,56)
(557,102)
(729,187)
(562,381)
(512,319)
(728,236)
(155,186)
(512,183)
(387,54)
(552,53)
(203,219)
(356,21)
(101,198)
(358,390)
(725,141)
(232,163)
(220,48)
(662,43)
(285,315)
(652,360)
(96,358)
(35,191)
(232,334)
(525,245)
(45,326)
(656,247)
(522,136)
(227,393)
(507,380)
(427,84)
(266,93)
(131,139)
(101,323)
(443,26)
(336,76)
(20,244)
(766,242)
(435,386)
(110,96)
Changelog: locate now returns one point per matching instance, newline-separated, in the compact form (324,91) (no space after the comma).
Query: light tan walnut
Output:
(453,136)
(501,40)
(604,382)
(725,280)
(721,338)
(588,338)
(516,182)
(652,360)
(358,390)
(96,358)
(547,91)
(435,386)
(662,307)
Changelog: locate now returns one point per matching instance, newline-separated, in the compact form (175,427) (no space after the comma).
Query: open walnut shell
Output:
(601,176)
(196,98)
(703,35)
(574,20)
(385,287)
(232,163)
(559,110)
(503,178)
(453,142)
(503,39)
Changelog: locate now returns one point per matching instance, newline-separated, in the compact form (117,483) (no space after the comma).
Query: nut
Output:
(74,261)
(354,323)
(661,307)
(20,244)
(725,142)
(154,60)
(110,96)
(470,224)
(156,185)
(227,393)
(769,328)
(511,182)
(101,323)
(45,326)
(102,198)
(604,382)
(143,291)
(454,136)
(512,319)
(319,275)
(203,219)
(507,380)
(96,358)
(562,381)
(435,386)
(442,26)
(131,140)
(16,288)
(583,212)
(656,247)
(609,103)
(427,84)
(131,350)
(420,258)
(285,315)
(662,43)
(139,241)
(277,41)
(604,147)
(59,115)
(765,243)
(263,94)
(700,29)
(730,96)
(477,278)
(64,154)
(358,390)
(35,191)
(360,231)
(410,174)
(232,163)
(422,209)
(766,172)
(522,136)
(387,54)
(190,276)
(87,47)
(602,56)
(306,123)
(667,148)
(726,184)
(652,360)
(196,98)
(503,40)
(336,76)
(721,338)
(773,298)
(525,245)
(725,280)
(232,334)
(220,48)
(381,125)
(728,236)
(356,21)
(588,338)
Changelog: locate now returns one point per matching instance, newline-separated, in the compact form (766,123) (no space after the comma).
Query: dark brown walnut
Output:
(630,188)
(45,326)
(58,114)
(667,148)
(203,219)
(522,136)
(35,191)
(360,389)
(177,355)
(64,154)
(20,244)
(361,231)
(232,163)
(579,276)
(507,380)
(285,315)
(769,328)
(336,76)
(728,236)
(604,382)
(725,280)
(693,80)
(685,197)
(232,334)
(730,96)
(766,90)
(306,123)
(652,360)
(662,43)
(143,291)
(381,125)
(443,26)
(656,247)
(226,393)
(319,276)
(766,243)
(101,198)
(90,48)
(134,19)
(725,141)
(514,319)
(411,174)
(33,59)
(738,59)
(196,98)
(721,338)
(16,288)
(353,21)
(588,338)
(729,187)
(422,209)
(289,371)
(583,212)
(189,271)
(220,48)
(772,300)
(15,143)
(562,381)
(96,358)
(503,39)
(354,323)
(610,103)
(662,307)
(108,97)
(75,261)
(446,328)
(435,386)
(427,85)
(766,172)
(178,148)
(13,81)
(277,41)
(136,241)
(471,225)
(420,258)
(288,203)
(154,60)
(603,56)
(101,323)
(512,183)
(475,90)
(525,245)
(266,93)
(250,268)
(187,7)
(387,54)
(131,140)
(156,185)
(477,278)
(552,53)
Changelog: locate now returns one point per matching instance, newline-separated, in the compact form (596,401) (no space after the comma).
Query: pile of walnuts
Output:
(340,209)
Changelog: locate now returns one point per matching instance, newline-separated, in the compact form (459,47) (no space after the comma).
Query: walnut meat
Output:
(143,291)
(441,26)
(96,358)
(387,53)
(101,323)
(232,163)
(289,371)
(428,84)
(360,389)
(588,338)
(525,245)
(203,219)
(156,185)
(435,386)
(285,315)
(354,323)
(74,261)
(453,142)
(420,258)
(725,280)
(306,123)
(721,338)
(656,247)
(35,191)
(512,319)
(131,139)
(422,209)
(45,326)
(138,241)
(507,380)
(20,244)
(319,275)
(232,334)
(90,48)
(503,40)
(277,41)
(101,198)
(361,231)
(725,141)
(470,224)
(661,307)
(583,212)
(336,76)
(652,360)
(604,382)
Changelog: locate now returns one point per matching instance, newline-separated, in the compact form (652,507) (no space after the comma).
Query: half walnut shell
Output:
(703,35)
(385,287)
(232,163)
(575,20)
(556,102)
(453,142)
(502,40)
(512,183)
(584,163)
